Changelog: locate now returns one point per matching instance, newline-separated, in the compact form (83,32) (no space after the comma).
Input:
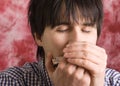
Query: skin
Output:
(84,62)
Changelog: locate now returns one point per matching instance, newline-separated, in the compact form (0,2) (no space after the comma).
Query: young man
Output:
(67,30)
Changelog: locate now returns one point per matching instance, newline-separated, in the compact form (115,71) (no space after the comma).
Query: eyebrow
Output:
(61,23)
(88,24)
(67,23)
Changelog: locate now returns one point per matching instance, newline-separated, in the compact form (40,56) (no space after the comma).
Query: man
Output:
(67,30)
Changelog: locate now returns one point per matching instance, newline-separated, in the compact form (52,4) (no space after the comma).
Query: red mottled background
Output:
(17,45)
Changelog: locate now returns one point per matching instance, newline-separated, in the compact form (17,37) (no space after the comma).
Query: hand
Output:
(67,74)
(90,57)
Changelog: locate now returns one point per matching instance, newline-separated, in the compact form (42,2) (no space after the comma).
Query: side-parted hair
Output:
(42,13)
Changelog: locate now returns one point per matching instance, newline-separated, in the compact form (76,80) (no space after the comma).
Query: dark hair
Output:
(42,13)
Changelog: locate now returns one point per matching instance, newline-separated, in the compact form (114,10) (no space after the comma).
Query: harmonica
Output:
(56,61)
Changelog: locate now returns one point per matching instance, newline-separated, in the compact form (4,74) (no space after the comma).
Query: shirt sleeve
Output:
(28,75)
(112,78)
(7,80)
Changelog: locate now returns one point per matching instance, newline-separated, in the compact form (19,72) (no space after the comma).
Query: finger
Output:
(79,73)
(49,64)
(85,45)
(86,80)
(93,68)
(84,55)
(82,77)
(70,68)
(62,64)
(87,48)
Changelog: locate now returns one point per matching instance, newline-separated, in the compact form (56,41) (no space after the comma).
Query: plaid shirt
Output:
(35,74)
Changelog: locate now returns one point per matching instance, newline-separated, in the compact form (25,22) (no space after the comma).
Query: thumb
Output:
(49,64)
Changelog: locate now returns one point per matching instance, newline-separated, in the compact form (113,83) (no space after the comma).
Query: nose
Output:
(76,35)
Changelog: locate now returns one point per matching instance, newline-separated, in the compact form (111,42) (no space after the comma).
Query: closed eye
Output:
(63,30)
(87,29)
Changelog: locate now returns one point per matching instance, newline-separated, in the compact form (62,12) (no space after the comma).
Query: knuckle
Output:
(84,62)
(86,81)
(82,78)
(77,76)
(68,70)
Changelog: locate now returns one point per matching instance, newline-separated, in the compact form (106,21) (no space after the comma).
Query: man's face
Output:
(54,40)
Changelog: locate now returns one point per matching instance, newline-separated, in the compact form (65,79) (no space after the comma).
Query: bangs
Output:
(73,11)
(55,12)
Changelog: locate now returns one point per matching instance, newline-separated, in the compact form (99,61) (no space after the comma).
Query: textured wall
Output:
(110,37)
(17,45)
(16,42)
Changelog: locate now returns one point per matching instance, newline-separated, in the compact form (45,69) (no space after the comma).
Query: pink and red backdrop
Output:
(17,45)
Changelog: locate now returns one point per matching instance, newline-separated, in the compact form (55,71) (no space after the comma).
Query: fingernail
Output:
(68,45)
(67,54)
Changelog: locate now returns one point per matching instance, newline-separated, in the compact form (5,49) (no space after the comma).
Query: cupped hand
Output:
(67,74)
(90,57)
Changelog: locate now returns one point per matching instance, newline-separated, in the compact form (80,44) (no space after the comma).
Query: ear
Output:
(38,39)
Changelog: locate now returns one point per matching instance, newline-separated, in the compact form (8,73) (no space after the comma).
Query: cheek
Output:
(54,44)
(92,38)
(59,41)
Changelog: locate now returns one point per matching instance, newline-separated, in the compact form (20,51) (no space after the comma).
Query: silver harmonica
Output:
(56,60)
